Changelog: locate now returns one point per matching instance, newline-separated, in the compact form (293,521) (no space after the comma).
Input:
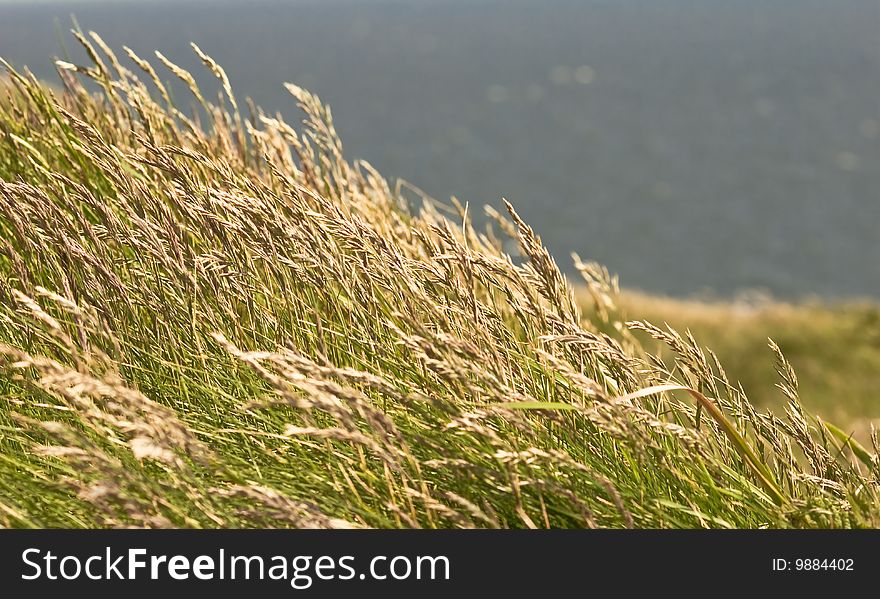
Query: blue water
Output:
(691,146)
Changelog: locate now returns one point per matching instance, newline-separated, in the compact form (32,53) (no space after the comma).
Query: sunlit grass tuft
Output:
(211,318)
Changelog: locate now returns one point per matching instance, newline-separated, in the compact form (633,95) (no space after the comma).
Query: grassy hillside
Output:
(218,320)
(834,348)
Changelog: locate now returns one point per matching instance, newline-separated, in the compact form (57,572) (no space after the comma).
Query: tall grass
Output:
(209,317)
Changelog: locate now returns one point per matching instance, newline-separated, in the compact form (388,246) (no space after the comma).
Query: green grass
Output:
(834,348)
(218,320)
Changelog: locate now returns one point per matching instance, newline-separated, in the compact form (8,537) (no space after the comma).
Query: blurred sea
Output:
(692,146)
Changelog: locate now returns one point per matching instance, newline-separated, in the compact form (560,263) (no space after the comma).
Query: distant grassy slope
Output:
(835,349)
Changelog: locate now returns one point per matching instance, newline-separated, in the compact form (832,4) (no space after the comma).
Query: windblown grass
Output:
(211,318)
(833,346)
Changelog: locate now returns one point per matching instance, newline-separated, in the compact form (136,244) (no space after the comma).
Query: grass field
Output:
(209,317)
(834,348)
